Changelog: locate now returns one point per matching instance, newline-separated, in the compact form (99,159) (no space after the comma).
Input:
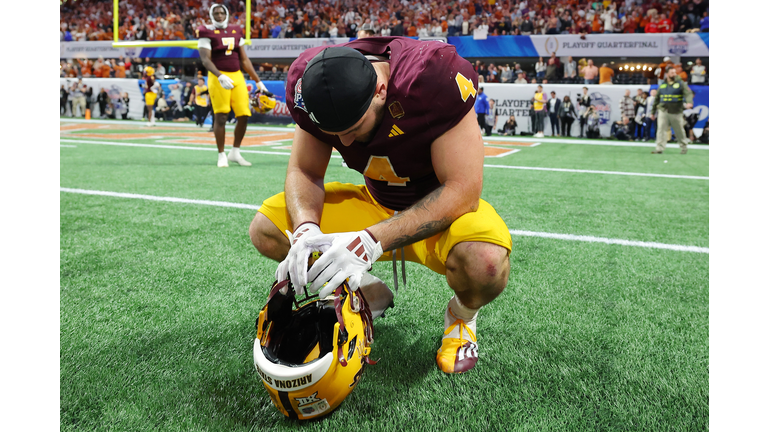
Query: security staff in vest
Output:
(672,97)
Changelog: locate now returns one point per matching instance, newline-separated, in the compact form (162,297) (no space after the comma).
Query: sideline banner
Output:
(94,49)
(599,45)
(115,88)
(259,48)
(287,48)
(515,99)
(593,45)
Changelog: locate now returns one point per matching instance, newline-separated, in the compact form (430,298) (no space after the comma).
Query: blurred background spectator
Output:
(154,20)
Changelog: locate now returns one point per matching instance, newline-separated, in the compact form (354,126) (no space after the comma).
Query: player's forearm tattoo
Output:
(426,229)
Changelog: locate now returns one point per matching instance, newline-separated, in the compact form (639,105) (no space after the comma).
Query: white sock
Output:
(461,311)
(235,152)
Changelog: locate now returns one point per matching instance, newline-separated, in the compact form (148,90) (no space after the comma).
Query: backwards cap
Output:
(337,87)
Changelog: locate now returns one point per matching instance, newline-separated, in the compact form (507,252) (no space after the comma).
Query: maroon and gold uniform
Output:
(430,90)
(224,45)
(150,87)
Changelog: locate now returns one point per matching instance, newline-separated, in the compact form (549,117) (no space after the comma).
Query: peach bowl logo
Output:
(677,45)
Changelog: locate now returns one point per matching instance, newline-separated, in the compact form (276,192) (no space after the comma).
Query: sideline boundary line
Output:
(572,237)
(501,139)
(599,172)
(177,147)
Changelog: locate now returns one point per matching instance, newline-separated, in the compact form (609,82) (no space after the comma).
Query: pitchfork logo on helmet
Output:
(312,357)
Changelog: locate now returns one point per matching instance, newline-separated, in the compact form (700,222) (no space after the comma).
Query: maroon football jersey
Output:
(224,46)
(431,88)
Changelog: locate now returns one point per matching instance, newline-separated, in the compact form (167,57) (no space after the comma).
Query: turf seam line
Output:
(590,239)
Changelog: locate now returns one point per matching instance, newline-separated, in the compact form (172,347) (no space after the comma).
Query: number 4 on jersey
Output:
(466,86)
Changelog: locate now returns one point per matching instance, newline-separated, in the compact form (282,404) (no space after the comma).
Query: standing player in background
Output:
(223,55)
(151,88)
(200,97)
(371,100)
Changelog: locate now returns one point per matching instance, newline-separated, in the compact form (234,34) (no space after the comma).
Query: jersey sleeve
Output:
(448,86)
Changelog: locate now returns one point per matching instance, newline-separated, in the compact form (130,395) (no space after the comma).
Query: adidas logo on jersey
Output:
(395,131)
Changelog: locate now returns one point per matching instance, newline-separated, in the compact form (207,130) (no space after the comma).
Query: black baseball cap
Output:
(337,87)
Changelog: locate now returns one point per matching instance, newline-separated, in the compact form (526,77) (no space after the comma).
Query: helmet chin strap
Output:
(217,24)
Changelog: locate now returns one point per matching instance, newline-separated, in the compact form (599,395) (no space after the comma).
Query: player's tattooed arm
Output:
(425,229)
(457,157)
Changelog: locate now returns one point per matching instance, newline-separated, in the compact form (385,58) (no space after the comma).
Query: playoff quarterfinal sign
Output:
(624,45)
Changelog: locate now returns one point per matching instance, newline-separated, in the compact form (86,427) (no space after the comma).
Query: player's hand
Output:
(688,106)
(350,255)
(295,264)
(652,117)
(226,82)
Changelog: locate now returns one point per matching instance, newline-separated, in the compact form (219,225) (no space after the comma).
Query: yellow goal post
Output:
(191,44)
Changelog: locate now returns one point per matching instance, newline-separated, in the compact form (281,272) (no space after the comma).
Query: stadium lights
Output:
(619,67)
(632,68)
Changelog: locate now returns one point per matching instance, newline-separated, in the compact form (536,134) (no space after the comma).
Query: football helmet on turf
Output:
(310,358)
(262,103)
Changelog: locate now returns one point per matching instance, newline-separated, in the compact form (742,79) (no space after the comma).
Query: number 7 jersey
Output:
(224,45)
(430,90)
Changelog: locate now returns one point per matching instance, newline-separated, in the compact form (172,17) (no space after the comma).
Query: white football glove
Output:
(261,86)
(350,255)
(226,82)
(295,264)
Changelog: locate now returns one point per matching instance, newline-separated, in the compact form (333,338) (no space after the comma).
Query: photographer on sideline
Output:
(592,120)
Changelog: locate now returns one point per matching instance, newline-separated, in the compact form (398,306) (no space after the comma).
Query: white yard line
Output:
(64,145)
(157,198)
(245,150)
(599,172)
(591,239)
(611,143)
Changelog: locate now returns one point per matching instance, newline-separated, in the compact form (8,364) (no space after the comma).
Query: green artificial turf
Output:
(159,301)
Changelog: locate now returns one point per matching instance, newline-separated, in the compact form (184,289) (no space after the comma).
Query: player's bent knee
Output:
(267,238)
(486,264)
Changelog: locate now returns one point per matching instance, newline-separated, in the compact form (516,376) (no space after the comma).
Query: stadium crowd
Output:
(153,20)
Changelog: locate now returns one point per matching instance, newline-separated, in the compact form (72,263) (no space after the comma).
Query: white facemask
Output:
(217,24)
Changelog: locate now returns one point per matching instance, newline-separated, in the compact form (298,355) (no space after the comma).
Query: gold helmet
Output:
(263,103)
(149,70)
(310,358)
